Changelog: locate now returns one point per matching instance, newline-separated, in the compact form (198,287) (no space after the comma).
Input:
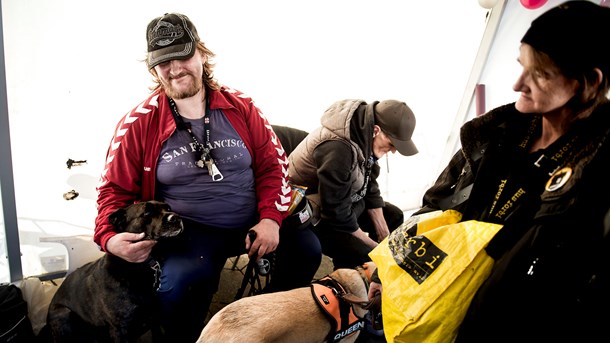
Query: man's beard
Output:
(194,86)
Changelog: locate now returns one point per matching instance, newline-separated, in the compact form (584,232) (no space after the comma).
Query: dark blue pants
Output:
(192,263)
(348,251)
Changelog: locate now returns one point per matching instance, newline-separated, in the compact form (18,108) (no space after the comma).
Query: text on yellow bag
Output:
(430,276)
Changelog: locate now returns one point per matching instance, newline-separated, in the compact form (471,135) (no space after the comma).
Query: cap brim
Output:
(174,52)
(405,148)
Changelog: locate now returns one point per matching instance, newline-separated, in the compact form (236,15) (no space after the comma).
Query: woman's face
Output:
(543,88)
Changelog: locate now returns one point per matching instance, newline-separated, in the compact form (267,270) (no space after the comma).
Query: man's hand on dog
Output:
(267,238)
(130,246)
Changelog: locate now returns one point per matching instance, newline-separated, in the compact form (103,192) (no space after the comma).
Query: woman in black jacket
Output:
(539,166)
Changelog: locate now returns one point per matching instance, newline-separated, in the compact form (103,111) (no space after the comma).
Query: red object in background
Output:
(479,98)
(605,3)
(533,4)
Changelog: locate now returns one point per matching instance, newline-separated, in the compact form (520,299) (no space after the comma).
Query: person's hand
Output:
(381,227)
(130,247)
(382,231)
(375,289)
(363,236)
(267,238)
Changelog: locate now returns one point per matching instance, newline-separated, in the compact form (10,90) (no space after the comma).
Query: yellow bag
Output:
(430,277)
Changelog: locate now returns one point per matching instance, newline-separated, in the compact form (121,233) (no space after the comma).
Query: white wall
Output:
(502,68)
(497,68)
(74,69)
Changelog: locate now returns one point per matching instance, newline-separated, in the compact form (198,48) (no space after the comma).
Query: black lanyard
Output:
(205,160)
(513,188)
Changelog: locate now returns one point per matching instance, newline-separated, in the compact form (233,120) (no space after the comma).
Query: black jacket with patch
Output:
(551,279)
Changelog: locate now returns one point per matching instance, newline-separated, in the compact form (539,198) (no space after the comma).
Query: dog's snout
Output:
(172,224)
(173,218)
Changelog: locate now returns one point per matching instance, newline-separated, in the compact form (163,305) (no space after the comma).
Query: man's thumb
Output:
(138,237)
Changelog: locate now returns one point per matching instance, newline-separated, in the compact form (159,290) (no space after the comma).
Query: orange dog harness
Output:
(329,296)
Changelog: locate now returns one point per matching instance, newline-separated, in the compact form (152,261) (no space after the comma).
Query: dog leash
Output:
(156,267)
(373,306)
(254,271)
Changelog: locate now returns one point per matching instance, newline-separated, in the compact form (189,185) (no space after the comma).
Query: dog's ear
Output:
(118,219)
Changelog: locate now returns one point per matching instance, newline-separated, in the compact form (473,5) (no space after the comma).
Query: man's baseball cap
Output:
(397,121)
(170,37)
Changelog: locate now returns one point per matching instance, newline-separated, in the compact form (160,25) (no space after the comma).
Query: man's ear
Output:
(376,130)
(118,219)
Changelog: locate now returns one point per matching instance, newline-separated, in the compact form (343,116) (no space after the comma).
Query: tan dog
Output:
(292,316)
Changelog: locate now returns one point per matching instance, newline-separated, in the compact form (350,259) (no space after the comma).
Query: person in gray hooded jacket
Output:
(337,162)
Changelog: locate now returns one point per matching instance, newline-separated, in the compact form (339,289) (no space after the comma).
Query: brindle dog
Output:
(110,299)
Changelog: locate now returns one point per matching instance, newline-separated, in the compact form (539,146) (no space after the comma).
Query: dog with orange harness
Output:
(331,309)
